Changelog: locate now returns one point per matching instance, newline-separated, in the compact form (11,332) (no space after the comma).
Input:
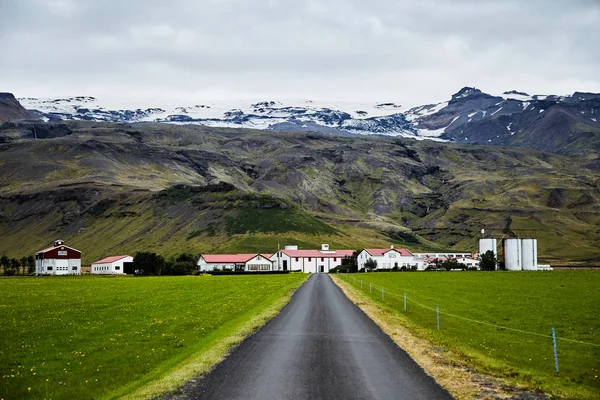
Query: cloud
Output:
(406,51)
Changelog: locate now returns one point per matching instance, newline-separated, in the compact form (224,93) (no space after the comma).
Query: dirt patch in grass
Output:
(462,380)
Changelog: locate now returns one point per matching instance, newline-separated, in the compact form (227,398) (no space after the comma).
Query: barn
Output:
(58,260)
(110,265)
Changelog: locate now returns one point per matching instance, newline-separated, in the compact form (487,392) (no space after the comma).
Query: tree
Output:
(183,264)
(4,263)
(148,263)
(350,263)
(488,261)
(371,264)
(31,264)
(451,263)
(23,262)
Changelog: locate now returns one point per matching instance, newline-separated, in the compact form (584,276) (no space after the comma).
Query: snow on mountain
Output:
(355,118)
(470,116)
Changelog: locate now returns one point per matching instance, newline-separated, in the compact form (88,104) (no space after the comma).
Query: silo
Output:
(512,254)
(529,254)
(488,244)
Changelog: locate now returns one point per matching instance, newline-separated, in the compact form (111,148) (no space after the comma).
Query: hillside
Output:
(120,188)
(11,109)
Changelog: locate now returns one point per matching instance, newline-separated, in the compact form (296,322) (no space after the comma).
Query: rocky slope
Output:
(11,109)
(561,124)
(113,188)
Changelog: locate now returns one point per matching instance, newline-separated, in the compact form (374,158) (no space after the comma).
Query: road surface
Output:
(321,346)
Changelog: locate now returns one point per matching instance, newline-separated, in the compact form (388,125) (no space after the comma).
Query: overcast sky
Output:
(413,52)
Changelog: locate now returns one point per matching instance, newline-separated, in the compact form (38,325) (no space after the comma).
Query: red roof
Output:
(109,259)
(318,253)
(47,249)
(380,252)
(231,258)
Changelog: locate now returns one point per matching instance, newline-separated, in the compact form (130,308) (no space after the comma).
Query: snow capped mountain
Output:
(349,118)
(470,116)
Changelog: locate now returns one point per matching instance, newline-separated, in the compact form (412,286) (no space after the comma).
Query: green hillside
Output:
(115,188)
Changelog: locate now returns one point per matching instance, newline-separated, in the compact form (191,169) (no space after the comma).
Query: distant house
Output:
(110,265)
(58,260)
(308,261)
(388,258)
(234,262)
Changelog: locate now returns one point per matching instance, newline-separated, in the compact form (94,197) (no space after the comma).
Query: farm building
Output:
(58,260)
(234,262)
(308,261)
(110,265)
(388,258)
(467,261)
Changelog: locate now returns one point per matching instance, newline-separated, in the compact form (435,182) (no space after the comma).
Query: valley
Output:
(121,188)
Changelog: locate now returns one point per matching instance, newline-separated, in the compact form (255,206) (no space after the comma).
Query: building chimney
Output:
(325,247)
(58,242)
(392,246)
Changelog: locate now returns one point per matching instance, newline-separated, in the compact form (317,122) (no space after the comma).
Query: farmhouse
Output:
(58,260)
(234,262)
(110,265)
(308,261)
(388,258)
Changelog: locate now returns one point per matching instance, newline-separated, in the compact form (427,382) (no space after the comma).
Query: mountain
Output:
(113,188)
(11,109)
(560,124)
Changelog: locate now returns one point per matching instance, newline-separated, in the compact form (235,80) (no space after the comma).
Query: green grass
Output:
(532,302)
(275,220)
(91,337)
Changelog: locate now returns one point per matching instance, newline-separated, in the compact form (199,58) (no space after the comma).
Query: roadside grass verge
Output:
(515,310)
(94,337)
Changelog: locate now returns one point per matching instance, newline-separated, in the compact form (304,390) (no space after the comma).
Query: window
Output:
(309,259)
(117,268)
(49,268)
(74,268)
(296,259)
(334,259)
(322,259)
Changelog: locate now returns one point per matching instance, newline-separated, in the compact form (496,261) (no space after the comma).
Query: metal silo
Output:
(512,254)
(529,254)
(488,244)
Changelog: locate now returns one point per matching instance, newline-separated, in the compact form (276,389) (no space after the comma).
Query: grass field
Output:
(516,312)
(93,337)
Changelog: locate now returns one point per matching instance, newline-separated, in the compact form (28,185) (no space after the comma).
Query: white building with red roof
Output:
(235,262)
(388,258)
(58,260)
(110,265)
(308,261)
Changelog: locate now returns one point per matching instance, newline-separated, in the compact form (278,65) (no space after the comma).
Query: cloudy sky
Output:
(413,52)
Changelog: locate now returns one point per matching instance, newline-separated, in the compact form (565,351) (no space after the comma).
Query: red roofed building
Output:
(110,265)
(388,258)
(58,260)
(308,261)
(234,262)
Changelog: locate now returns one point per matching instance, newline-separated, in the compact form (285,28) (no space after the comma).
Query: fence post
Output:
(361,283)
(370,288)
(404,301)
(381,294)
(437,311)
(555,350)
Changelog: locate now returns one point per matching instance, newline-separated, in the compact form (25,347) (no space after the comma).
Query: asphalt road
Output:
(321,346)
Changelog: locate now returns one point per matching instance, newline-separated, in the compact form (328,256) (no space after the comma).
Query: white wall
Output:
(388,260)
(259,263)
(113,268)
(70,266)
